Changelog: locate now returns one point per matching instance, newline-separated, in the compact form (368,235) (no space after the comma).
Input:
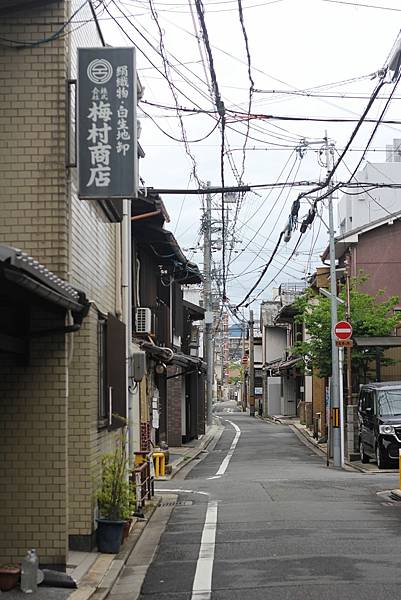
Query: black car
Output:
(379,414)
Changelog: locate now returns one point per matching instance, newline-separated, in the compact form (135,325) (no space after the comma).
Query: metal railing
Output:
(142,478)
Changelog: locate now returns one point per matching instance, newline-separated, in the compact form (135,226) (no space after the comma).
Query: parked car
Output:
(379,414)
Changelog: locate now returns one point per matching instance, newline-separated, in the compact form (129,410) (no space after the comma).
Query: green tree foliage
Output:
(370,315)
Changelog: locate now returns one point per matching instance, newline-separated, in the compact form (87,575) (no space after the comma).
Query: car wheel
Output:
(381,459)
(364,457)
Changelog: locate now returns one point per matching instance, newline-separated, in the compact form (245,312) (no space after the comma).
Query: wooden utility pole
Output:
(251,367)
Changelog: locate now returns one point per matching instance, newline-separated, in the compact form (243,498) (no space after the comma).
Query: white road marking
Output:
(202,586)
(225,463)
(181,490)
(214,477)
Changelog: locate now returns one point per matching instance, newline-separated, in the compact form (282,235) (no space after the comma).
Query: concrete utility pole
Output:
(251,367)
(335,391)
(348,318)
(207,300)
(243,399)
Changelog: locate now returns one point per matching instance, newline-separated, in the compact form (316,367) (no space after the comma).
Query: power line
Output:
(267,265)
(362,5)
(178,139)
(271,209)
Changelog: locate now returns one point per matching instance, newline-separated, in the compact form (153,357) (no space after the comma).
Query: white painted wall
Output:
(356,211)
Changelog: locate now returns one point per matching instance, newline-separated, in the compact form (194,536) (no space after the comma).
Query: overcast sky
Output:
(294,45)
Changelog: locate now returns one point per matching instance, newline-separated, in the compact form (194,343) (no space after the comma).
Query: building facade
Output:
(55,418)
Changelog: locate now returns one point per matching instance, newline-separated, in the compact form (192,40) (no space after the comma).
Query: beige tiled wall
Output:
(33,450)
(33,197)
(33,216)
(93,269)
(48,410)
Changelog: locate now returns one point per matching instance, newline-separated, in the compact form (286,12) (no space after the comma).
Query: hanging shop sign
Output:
(106,123)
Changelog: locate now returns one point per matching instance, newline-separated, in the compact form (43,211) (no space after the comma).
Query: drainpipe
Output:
(126,307)
(127,268)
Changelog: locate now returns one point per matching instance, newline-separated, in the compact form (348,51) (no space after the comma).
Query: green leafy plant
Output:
(116,498)
(370,316)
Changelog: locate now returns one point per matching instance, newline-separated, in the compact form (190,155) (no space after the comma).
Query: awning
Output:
(18,268)
(286,314)
(167,249)
(196,313)
(384,341)
(173,358)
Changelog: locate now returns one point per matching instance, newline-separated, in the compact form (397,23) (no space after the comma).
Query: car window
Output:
(389,402)
(369,400)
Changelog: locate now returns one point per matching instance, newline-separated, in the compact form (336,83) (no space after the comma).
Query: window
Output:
(369,401)
(102,379)
(389,402)
(112,378)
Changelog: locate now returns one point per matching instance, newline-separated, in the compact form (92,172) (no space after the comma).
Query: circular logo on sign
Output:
(100,71)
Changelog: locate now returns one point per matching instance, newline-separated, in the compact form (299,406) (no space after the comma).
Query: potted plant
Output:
(115,499)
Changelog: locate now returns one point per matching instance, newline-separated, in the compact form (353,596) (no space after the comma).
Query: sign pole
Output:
(343,333)
(341,390)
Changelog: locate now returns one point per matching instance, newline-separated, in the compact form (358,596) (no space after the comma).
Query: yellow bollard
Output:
(160,464)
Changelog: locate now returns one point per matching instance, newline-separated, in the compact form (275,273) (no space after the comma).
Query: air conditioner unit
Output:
(143,320)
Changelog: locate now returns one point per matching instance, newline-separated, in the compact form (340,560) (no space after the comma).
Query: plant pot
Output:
(9,577)
(126,529)
(109,536)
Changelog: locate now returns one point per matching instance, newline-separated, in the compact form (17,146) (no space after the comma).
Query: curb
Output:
(103,574)
(188,458)
(305,438)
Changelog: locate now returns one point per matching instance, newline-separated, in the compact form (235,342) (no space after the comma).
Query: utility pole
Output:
(335,391)
(251,367)
(243,399)
(207,301)
(348,318)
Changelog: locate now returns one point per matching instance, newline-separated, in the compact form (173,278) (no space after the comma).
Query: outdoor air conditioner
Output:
(143,320)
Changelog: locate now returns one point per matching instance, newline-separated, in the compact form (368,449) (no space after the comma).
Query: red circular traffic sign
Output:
(343,330)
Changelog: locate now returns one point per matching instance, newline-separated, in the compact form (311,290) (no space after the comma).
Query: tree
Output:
(370,315)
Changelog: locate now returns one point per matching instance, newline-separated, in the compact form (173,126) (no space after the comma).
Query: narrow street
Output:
(280,525)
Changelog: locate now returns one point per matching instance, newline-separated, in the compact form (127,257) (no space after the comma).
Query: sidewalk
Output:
(306,436)
(183,455)
(94,573)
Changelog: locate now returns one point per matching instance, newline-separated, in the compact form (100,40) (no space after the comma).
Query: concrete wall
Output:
(275,342)
(357,210)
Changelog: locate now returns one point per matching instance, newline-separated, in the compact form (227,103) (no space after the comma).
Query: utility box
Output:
(137,366)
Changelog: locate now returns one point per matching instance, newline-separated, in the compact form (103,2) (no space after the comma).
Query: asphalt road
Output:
(280,525)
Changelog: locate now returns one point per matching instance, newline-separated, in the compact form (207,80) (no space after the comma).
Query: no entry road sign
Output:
(343,330)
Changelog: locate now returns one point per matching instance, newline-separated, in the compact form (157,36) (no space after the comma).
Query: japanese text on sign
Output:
(106,122)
